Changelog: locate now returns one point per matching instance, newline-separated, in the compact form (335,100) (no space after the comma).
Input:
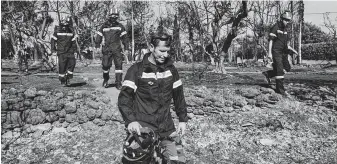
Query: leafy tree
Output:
(27,22)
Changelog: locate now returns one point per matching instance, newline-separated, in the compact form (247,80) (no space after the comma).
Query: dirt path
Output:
(111,92)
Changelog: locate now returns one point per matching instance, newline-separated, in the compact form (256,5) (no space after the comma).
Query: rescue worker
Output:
(23,59)
(145,98)
(110,36)
(63,45)
(278,52)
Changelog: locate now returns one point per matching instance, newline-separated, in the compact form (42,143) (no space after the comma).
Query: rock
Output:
(201,95)
(82,116)
(57,124)
(28,128)
(52,116)
(247,108)
(14,118)
(3,117)
(48,106)
(273,98)
(34,116)
(12,91)
(107,115)
(239,101)
(62,113)
(61,120)
(190,109)
(251,102)
(34,105)
(105,100)
(70,107)
(247,124)
(218,104)
(99,113)
(59,130)
(267,90)
(41,93)
(60,104)
(65,124)
(207,103)
(16,107)
(208,109)
(70,93)
(30,93)
(93,104)
(12,100)
(37,134)
(228,103)
(70,118)
(4,105)
(78,94)
(4,91)
(228,109)
(73,124)
(10,135)
(190,115)
(249,92)
(45,128)
(70,98)
(27,103)
(73,129)
(91,114)
(316,98)
(267,142)
(59,95)
(89,126)
(99,122)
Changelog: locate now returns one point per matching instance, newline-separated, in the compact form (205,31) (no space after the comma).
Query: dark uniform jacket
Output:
(111,34)
(63,41)
(147,93)
(280,37)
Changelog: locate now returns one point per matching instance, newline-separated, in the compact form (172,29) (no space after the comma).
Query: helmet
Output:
(65,20)
(286,15)
(140,148)
(113,13)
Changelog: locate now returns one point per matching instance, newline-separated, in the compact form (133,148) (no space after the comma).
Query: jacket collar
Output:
(147,63)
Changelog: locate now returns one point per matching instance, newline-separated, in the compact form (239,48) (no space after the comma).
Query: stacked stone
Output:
(201,102)
(22,107)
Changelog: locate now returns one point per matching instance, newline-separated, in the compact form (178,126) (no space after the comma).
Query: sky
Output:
(320,7)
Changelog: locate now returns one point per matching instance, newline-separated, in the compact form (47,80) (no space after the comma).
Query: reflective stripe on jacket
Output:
(63,41)
(147,93)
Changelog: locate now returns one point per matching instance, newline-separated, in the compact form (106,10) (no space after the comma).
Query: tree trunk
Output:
(92,44)
(242,13)
(300,45)
(133,35)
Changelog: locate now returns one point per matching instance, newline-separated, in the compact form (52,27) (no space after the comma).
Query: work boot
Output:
(63,80)
(67,77)
(106,79)
(119,77)
(280,86)
(267,78)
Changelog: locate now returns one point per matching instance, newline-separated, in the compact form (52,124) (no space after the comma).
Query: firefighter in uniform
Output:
(110,35)
(63,44)
(145,98)
(278,52)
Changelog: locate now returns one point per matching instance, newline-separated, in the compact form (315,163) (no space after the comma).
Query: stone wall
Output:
(21,108)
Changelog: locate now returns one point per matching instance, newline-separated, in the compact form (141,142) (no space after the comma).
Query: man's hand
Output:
(134,127)
(181,128)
